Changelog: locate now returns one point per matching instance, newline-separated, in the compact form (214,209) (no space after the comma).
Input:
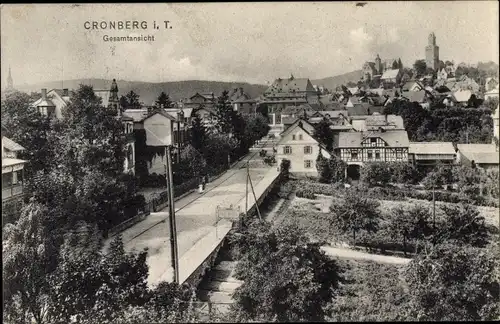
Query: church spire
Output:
(10,83)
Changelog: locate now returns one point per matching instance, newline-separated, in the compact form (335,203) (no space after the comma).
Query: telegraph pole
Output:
(171,213)
(246,192)
(254,196)
(434,205)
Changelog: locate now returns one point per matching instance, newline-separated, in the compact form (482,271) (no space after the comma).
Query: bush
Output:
(376,174)
(306,193)
(318,188)
(286,189)
(153,181)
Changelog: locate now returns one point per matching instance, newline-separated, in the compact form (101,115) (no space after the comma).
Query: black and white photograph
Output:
(222,162)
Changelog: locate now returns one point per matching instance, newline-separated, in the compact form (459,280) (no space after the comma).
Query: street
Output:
(195,217)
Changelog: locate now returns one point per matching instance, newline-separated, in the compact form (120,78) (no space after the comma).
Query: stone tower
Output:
(378,65)
(432,53)
(114,100)
(10,83)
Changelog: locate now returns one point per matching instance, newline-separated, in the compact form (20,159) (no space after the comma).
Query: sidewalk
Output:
(351,254)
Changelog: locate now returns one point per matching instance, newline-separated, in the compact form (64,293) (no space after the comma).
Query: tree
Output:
(27,127)
(124,104)
(462,224)
(395,65)
(192,163)
(376,173)
(355,213)
(453,283)
(163,101)
(297,288)
(324,171)
(337,168)
(27,261)
(133,100)
(285,168)
(217,149)
(403,172)
(324,134)
(420,67)
(400,64)
(410,224)
(198,134)
(95,136)
(224,113)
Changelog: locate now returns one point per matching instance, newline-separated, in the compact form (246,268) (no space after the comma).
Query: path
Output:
(357,255)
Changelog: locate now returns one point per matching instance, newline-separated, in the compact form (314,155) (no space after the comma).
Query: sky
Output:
(248,42)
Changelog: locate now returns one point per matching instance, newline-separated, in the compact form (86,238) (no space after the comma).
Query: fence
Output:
(141,215)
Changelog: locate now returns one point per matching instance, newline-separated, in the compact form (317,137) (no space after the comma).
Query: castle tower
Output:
(432,52)
(10,83)
(114,100)
(378,65)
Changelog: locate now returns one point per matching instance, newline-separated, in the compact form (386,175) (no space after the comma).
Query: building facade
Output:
(298,145)
(53,103)
(371,146)
(12,176)
(432,53)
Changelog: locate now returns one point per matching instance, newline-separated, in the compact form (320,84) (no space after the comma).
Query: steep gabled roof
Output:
(11,145)
(291,85)
(390,74)
(432,148)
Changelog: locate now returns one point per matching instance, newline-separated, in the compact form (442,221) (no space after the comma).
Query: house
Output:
(364,109)
(372,69)
(111,99)
(298,145)
(490,84)
(282,93)
(412,86)
(391,78)
(207,99)
(493,93)
(137,116)
(376,122)
(357,148)
(442,74)
(422,97)
(485,156)
(163,129)
(496,123)
(242,102)
(462,97)
(12,173)
(352,101)
(432,153)
(52,103)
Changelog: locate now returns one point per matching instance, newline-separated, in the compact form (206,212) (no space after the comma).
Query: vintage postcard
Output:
(250,162)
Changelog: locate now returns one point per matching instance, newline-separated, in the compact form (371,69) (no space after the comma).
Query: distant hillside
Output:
(332,82)
(148,92)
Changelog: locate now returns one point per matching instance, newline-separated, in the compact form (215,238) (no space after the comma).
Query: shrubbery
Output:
(305,193)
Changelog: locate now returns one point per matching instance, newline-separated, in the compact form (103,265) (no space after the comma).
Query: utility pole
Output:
(254,196)
(171,209)
(246,192)
(434,205)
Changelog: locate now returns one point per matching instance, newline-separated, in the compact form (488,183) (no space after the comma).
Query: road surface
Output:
(195,218)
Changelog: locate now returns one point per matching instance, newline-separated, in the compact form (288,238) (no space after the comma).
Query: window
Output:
(308,150)
(6,180)
(300,137)
(278,118)
(293,137)
(370,155)
(377,155)
(398,154)
(307,164)
(287,150)
(354,155)
(373,140)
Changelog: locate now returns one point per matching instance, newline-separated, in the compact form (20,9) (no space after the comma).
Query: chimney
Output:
(44,94)
(386,118)
(65,92)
